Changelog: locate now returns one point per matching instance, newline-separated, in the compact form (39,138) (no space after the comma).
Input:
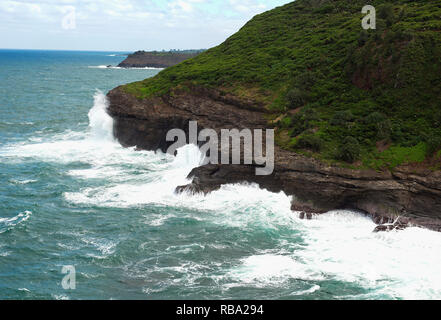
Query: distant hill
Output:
(157,59)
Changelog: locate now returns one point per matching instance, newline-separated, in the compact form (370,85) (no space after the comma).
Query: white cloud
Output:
(126,24)
(181,5)
(247,6)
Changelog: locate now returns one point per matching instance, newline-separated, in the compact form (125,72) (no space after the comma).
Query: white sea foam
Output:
(96,146)
(3,252)
(104,246)
(157,220)
(401,264)
(270,269)
(156,186)
(336,246)
(14,181)
(9,223)
(120,68)
(103,67)
(100,123)
(313,289)
(60,297)
(341,246)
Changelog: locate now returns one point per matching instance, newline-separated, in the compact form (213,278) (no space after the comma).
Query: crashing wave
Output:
(9,223)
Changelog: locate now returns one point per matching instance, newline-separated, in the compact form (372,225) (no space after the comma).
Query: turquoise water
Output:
(72,196)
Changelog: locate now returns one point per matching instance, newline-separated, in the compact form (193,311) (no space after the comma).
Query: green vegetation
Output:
(367,97)
(349,150)
(170,52)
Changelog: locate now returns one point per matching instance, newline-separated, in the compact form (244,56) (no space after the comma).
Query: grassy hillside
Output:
(333,90)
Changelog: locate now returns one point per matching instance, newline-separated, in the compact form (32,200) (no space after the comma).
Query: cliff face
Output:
(410,194)
(142,59)
(352,98)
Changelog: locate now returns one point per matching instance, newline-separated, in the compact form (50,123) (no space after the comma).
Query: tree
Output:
(349,150)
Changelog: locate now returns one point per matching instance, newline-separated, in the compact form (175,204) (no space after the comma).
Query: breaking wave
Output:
(337,246)
(120,68)
(7,224)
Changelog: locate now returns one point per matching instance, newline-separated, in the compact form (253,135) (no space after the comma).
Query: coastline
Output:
(394,199)
(158,60)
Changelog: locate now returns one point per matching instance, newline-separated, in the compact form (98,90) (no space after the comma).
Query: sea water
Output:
(70,195)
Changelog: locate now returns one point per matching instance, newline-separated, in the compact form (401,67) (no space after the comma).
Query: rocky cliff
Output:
(357,113)
(406,195)
(143,59)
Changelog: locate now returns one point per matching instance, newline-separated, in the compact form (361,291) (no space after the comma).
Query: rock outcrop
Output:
(406,196)
(143,59)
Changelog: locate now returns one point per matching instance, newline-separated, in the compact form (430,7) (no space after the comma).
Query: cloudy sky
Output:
(124,25)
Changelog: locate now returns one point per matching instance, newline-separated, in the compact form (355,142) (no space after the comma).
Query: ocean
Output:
(70,195)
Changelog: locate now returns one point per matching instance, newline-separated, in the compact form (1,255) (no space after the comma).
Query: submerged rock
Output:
(387,224)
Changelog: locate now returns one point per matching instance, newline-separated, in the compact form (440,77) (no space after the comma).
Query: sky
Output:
(124,25)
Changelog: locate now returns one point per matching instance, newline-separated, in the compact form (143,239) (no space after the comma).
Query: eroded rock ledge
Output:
(407,196)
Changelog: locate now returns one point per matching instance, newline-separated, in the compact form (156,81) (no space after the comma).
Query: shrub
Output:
(396,133)
(374,118)
(384,129)
(433,144)
(309,114)
(378,126)
(311,142)
(386,12)
(303,121)
(286,122)
(349,150)
(326,9)
(296,98)
(306,80)
(437,119)
(363,38)
(342,117)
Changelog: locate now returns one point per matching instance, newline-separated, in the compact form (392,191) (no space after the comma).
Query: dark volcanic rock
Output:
(143,59)
(386,224)
(317,187)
